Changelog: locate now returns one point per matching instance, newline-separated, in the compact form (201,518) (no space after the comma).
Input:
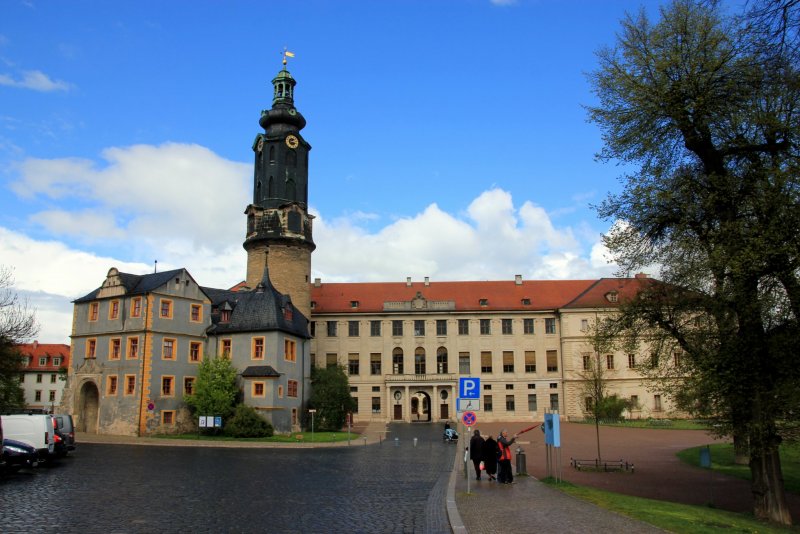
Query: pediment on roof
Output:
(112,285)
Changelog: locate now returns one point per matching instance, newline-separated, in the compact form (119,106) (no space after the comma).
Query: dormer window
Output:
(225,316)
(526,302)
(483,302)
(354,304)
(611,296)
(287,313)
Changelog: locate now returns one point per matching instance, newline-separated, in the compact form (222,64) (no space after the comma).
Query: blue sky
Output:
(449,138)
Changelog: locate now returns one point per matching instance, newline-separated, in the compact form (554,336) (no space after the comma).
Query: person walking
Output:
(476,452)
(504,475)
(490,457)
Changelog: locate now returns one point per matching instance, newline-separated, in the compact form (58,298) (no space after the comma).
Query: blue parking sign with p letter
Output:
(469,388)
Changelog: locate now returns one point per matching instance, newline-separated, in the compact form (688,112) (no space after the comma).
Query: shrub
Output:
(247,423)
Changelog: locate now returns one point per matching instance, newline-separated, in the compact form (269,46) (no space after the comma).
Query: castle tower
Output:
(279,227)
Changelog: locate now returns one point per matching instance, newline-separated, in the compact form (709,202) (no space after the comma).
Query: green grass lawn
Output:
(722,461)
(673,517)
(670,424)
(295,437)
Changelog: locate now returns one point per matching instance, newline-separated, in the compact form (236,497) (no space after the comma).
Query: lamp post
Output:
(312,412)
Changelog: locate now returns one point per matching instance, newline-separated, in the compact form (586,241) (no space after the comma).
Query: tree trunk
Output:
(769,496)
(741,450)
(597,433)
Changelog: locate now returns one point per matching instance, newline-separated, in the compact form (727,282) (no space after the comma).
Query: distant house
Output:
(44,374)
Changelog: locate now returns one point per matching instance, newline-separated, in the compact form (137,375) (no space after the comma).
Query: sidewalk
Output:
(525,506)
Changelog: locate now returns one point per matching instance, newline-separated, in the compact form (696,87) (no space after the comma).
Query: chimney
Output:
(35,344)
(427,281)
(317,282)
(518,279)
(641,275)
(408,281)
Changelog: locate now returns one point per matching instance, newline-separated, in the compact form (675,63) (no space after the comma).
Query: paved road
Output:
(384,488)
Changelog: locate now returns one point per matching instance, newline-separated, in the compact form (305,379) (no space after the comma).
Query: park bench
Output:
(605,465)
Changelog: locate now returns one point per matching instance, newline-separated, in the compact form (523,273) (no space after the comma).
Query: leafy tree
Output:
(215,388)
(705,108)
(330,396)
(595,386)
(248,423)
(17,325)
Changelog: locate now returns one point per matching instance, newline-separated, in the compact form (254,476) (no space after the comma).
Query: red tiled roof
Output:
(500,295)
(596,295)
(38,350)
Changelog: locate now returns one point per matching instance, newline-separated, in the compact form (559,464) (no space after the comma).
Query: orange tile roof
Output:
(595,296)
(37,350)
(500,295)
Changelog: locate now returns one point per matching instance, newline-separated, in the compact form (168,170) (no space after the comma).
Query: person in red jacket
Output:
(504,474)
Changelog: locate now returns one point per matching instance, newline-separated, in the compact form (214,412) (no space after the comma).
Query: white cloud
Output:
(35,80)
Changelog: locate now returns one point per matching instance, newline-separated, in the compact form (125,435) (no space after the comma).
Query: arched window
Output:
(441,360)
(397,361)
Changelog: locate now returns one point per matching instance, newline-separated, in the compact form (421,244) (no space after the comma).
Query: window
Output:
(91,348)
(483,302)
(166,309)
(168,349)
(352,364)
(550,325)
(196,313)
(111,385)
(552,361)
(634,402)
(290,350)
(486,327)
(257,352)
(167,386)
(508,361)
(553,385)
(375,328)
(188,385)
(94,311)
(42,361)
(259,389)
(37,396)
(554,402)
(225,349)
(280,392)
(584,325)
(509,403)
(53,379)
(487,387)
(375,363)
(291,388)
(397,361)
(677,357)
(115,349)
(354,304)
(632,361)
(376,405)
(509,386)
(527,326)
(463,363)
(530,361)
(397,328)
(507,326)
(487,403)
(463,327)
(532,404)
(133,348)
(610,361)
(195,351)
(441,360)
(39,378)
(657,403)
(130,384)
(352,328)
(331,360)
(587,361)
(313,328)
(355,404)
(441,327)
(376,389)
(225,316)
(294,416)
(419,328)
(486,362)
(168,417)
(526,302)
(113,309)
(331,328)
(56,361)
(611,296)
(136,307)
(588,404)
(419,361)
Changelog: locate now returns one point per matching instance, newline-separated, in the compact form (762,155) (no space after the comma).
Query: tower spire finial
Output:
(286,54)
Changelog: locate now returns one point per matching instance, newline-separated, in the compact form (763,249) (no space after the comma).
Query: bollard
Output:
(415,442)
(365,441)
(396,442)
(522,468)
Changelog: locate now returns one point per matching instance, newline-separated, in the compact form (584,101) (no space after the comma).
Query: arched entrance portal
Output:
(88,406)
(420,407)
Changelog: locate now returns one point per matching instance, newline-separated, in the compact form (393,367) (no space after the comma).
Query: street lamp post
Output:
(312,412)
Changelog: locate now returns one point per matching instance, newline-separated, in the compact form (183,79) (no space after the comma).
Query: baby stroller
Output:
(450,435)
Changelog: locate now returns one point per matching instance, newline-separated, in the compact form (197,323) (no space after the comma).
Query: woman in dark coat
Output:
(490,457)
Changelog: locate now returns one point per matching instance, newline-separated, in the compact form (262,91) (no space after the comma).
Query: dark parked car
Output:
(17,454)
(65,426)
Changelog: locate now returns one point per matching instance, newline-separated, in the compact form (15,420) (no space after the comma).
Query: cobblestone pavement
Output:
(392,487)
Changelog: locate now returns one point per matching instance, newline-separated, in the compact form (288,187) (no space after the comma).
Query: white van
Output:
(37,430)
